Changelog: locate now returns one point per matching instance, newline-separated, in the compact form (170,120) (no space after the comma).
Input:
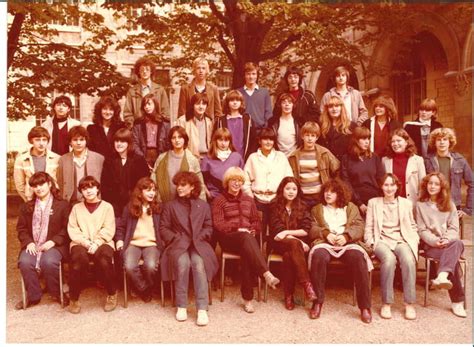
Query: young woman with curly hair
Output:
(289,225)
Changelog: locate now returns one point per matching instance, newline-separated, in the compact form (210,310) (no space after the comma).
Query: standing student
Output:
(139,238)
(257,99)
(59,125)
(312,164)
(91,228)
(402,161)
(238,122)
(362,169)
(420,129)
(42,231)
(106,123)
(198,125)
(169,163)
(381,124)
(392,233)
(452,165)
(200,85)
(144,68)
(353,101)
(306,108)
(438,226)
(77,164)
(36,159)
(186,229)
(286,127)
(150,131)
(336,127)
(289,227)
(222,155)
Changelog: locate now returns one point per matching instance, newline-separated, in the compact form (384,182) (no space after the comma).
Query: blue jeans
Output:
(151,259)
(388,259)
(191,260)
(49,265)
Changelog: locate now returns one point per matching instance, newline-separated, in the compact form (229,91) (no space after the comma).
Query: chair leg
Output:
(23,292)
(370,284)
(173,304)
(162,287)
(427,279)
(354,294)
(125,289)
(61,294)
(259,295)
(222,278)
(465,283)
(209,286)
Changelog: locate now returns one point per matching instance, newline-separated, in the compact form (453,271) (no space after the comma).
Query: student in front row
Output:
(91,228)
(36,159)
(186,229)
(312,164)
(77,164)
(42,231)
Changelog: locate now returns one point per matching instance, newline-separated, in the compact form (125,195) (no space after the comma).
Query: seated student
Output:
(198,125)
(286,128)
(352,98)
(362,169)
(169,163)
(222,155)
(381,124)
(122,171)
(91,228)
(236,223)
(36,159)
(289,226)
(401,160)
(336,232)
(336,127)
(420,129)
(438,226)
(391,232)
(42,231)
(106,122)
(186,229)
(138,237)
(312,164)
(59,125)
(238,122)
(77,164)
(452,165)
(150,131)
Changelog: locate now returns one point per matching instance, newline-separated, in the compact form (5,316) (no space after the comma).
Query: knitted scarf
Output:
(40,225)
(162,178)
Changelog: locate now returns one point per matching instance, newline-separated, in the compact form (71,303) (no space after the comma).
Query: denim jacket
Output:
(460,170)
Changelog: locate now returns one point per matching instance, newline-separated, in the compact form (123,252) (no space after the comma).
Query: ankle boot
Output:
(289,302)
(309,291)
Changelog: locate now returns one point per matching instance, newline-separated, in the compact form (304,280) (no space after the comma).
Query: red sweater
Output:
(232,212)
(400,161)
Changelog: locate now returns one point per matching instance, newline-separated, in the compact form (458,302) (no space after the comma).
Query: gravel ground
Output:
(271,323)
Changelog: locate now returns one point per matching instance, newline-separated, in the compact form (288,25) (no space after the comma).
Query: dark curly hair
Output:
(298,206)
(106,101)
(136,198)
(339,187)
(186,177)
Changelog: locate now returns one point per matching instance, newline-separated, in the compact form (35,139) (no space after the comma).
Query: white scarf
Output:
(223,155)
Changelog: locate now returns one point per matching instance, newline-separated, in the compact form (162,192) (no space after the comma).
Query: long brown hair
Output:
(354,150)
(298,207)
(136,199)
(343,123)
(220,134)
(443,199)
(411,148)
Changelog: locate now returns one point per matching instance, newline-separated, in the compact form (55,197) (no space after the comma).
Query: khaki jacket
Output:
(193,133)
(214,109)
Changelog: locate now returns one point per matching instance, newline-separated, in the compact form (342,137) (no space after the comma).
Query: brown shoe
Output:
(110,303)
(315,311)
(366,315)
(74,306)
(309,291)
(289,302)
(19,304)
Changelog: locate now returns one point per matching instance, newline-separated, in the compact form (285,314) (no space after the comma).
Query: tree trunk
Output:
(14,36)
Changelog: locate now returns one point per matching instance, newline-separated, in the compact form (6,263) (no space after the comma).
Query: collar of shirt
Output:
(80,161)
(247,88)
(233,117)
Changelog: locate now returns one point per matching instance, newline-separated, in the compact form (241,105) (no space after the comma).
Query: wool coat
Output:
(413,129)
(100,142)
(57,226)
(183,226)
(48,125)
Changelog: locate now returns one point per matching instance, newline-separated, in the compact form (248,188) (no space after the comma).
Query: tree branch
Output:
(218,13)
(281,47)
(225,47)
(14,36)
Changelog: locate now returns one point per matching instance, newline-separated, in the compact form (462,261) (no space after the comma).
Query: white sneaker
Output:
(410,312)
(202,318)
(386,311)
(441,284)
(181,314)
(458,309)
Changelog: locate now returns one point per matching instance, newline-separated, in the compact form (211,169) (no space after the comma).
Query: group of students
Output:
(332,185)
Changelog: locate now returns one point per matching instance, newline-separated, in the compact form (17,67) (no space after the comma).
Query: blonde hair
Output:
(442,132)
(199,61)
(343,123)
(234,172)
(310,128)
